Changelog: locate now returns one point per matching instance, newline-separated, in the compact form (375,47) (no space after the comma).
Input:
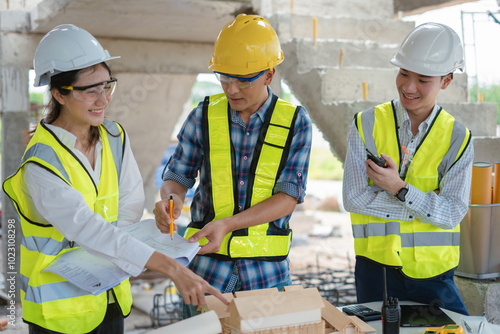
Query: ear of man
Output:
(446,80)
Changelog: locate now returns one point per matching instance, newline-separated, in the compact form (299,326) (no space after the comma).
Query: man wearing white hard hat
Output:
(405,213)
(77,183)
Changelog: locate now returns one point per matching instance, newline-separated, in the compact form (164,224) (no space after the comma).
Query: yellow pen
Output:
(171,204)
(469,330)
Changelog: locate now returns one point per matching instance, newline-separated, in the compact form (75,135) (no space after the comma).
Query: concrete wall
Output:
(346,84)
(481,297)
(333,95)
(14,107)
(487,148)
(148,106)
(361,9)
(376,29)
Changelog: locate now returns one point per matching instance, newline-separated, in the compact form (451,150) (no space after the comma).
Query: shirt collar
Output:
(261,112)
(66,137)
(404,119)
(263,109)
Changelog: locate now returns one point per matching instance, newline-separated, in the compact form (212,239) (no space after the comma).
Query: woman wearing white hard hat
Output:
(406,215)
(77,181)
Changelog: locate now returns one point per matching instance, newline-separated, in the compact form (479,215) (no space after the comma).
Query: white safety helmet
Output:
(431,49)
(66,48)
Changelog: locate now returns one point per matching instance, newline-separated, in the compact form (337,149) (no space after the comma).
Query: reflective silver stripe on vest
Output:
(375,229)
(47,154)
(47,246)
(430,239)
(50,292)
(415,239)
(115,143)
(368,123)
(457,138)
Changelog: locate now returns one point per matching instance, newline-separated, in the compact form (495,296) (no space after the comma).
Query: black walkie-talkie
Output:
(391,312)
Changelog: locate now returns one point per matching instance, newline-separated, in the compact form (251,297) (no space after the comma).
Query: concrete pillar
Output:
(481,297)
(486,149)
(14,107)
(16,57)
(276,84)
(148,105)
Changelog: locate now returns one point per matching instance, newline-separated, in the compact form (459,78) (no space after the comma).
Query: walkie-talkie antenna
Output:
(390,311)
(385,287)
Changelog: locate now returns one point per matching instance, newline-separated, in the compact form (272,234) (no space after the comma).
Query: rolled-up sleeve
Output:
(292,180)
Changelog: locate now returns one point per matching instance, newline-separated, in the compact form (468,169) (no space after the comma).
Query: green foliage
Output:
(286,96)
(490,93)
(202,89)
(36,98)
(324,165)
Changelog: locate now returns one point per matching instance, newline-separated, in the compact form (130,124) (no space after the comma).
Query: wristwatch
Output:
(401,194)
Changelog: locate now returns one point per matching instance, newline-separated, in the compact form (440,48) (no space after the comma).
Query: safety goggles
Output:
(92,93)
(241,83)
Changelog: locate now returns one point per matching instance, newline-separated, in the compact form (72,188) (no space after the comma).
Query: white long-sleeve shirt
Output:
(64,208)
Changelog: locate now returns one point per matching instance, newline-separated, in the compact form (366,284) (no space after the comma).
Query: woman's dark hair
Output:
(68,79)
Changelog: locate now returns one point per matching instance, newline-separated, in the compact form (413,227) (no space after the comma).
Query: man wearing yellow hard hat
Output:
(405,214)
(252,152)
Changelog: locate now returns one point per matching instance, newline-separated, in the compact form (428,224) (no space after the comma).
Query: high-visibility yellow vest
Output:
(264,241)
(49,300)
(421,250)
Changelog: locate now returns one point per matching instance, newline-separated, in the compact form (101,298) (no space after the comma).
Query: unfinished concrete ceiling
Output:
(167,20)
(410,7)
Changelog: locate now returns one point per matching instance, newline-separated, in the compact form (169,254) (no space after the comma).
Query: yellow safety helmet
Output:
(246,45)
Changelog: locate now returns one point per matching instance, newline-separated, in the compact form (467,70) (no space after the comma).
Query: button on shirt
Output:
(187,160)
(444,211)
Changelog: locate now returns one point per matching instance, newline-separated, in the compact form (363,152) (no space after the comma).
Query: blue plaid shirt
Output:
(187,161)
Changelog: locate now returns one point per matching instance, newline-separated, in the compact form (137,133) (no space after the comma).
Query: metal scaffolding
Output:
(471,18)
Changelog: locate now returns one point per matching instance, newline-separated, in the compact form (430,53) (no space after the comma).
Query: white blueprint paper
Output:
(96,274)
